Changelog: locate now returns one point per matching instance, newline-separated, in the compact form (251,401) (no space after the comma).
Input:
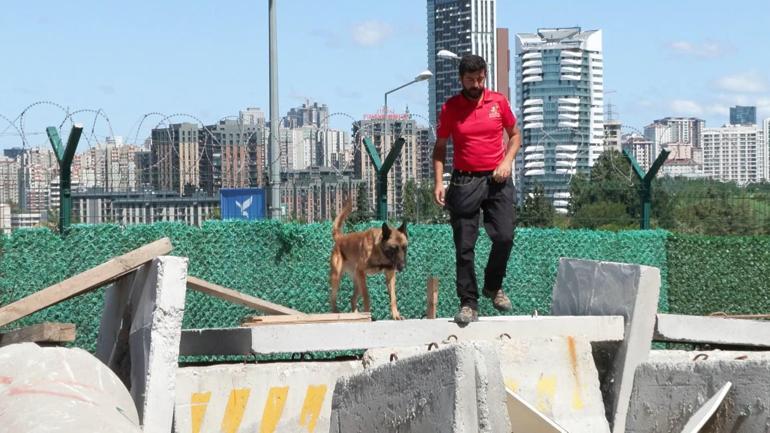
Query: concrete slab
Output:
(713,330)
(57,389)
(587,287)
(140,333)
(277,397)
(457,389)
(526,419)
(557,375)
(671,385)
(704,414)
(314,337)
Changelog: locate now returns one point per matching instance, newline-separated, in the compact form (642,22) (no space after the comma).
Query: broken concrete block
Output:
(587,287)
(457,389)
(140,333)
(556,375)
(58,389)
(672,385)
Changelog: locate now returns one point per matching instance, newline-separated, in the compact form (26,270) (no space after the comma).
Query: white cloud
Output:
(743,82)
(704,50)
(371,33)
(686,107)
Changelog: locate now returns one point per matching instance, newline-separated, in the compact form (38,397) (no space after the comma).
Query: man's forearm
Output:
(514,144)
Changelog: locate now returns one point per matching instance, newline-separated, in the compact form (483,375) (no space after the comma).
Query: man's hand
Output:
(503,171)
(438,194)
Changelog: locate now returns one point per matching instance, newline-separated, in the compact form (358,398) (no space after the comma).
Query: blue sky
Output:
(209,58)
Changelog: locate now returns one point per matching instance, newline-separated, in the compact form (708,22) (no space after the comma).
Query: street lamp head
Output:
(424,75)
(446,54)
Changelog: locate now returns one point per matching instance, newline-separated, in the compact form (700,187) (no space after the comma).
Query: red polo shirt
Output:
(476,128)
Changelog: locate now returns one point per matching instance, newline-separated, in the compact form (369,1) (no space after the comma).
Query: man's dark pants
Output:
(467,195)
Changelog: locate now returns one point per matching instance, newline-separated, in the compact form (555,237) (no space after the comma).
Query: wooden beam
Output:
(47,332)
(307,318)
(85,281)
(432,292)
(237,297)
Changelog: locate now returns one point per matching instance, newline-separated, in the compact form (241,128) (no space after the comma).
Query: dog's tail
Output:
(337,227)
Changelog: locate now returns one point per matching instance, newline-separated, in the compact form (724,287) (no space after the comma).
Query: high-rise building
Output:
(9,181)
(176,157)
(37,168)
(560,95)
(743,115)
(425,141)
(462,27)
(232,152)
(503,61)
(613,135)
(333,149)
(307,115)
(735,153)
(672,130)
(317,193)
(405,166)
(252,116)
(641,149)
(766,134)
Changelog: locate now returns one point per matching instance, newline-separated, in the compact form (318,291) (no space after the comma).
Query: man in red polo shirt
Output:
(481,180)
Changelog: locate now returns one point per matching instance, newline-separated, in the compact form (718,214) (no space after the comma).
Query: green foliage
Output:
(410,197)
(537,210)
(603,215)
(609,191)
(361,211)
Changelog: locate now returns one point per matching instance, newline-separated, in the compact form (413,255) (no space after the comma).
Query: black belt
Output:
(472,173)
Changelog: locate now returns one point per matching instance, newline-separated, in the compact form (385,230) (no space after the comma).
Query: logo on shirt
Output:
(494,111)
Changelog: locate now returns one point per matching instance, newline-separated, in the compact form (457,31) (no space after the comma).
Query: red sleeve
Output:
(445,123)
(509,119)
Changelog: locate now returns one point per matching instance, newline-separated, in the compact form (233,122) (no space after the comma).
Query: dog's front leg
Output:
(390,280)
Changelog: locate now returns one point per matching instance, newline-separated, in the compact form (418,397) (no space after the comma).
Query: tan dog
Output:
(359,254)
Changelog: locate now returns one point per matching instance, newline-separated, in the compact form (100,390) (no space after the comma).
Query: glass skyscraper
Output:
(740,115)
(559,93)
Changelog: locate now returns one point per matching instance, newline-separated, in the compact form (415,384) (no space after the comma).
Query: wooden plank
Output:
(48,332)
(432,297)
(307,318)
(237,297)
(85,281)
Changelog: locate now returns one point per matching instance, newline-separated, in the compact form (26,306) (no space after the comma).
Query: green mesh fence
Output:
(709,274)
(288,264)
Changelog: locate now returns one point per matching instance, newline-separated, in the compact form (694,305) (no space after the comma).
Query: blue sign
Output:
(242,203)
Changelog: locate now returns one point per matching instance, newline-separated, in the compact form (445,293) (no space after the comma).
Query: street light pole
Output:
(275,161)
(382,167)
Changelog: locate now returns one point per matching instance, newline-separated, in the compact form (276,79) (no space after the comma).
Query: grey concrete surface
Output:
(588,287)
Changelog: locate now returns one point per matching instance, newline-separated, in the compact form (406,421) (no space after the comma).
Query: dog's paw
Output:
(396,316)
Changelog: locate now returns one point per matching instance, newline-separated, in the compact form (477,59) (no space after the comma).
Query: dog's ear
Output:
(402,229)
(385,231)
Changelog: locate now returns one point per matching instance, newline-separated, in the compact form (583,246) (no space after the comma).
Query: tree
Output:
(361,211)
(611,187)
(410,197)
(537,210)
(429,211)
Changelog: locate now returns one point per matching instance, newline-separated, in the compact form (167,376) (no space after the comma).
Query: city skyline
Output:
(679,69)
